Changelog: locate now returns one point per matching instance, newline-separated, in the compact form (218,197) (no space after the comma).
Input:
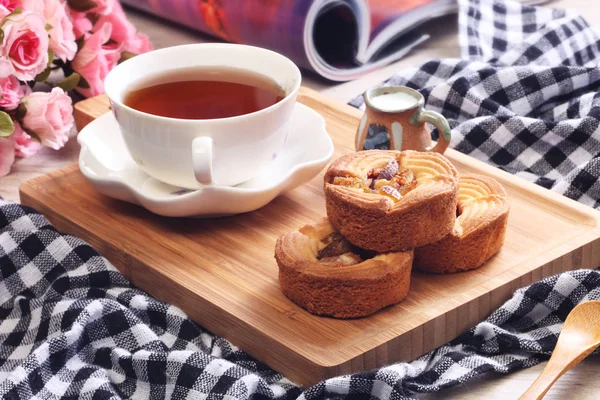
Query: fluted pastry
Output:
(324,274)
(478,232)
(391,201)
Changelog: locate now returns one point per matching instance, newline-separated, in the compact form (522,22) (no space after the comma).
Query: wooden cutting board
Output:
(223,274)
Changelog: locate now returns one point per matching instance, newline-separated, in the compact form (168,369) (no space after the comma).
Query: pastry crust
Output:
(347,287)
(424,214)
(478,233)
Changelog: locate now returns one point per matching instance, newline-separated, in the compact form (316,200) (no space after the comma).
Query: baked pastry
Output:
(323,273)
(478,232)
(392,201)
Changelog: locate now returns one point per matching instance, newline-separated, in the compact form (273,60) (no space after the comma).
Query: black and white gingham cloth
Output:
(72,327)
(525,95)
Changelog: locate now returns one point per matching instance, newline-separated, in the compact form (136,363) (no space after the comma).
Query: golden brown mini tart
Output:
(381,207)
(479,230)
(323,273)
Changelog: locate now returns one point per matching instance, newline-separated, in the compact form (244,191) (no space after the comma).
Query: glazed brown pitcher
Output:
(395,119)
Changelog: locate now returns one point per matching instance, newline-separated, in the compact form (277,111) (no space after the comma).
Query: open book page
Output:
(338,34)
(331,37)
(391,18)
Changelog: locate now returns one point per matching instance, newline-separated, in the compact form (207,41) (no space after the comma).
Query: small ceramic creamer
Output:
(395,119)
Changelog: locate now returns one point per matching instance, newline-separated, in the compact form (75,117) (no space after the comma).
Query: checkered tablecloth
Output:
(523,98)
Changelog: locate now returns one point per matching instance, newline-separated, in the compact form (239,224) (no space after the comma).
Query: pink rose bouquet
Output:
(49,48)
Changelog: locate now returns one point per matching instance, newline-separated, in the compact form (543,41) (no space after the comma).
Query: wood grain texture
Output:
(223,274)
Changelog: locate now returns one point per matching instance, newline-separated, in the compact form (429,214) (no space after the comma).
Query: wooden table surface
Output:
(580,383)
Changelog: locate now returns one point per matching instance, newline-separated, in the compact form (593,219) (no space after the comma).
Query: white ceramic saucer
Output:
(106,163)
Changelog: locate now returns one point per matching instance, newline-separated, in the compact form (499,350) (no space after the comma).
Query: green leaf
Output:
(81,5)
(70,82)
(49,27)
(50,57)
(7,127)
(83,83)
(21,111)
(126,55)
(42,76)
(16,11)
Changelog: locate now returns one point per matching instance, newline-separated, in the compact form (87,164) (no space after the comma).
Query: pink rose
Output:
(8,6)
(95,60)
(25,145)
(33,5)
(25,45)
(7,154)
(81,23)
(123,32)
(50,116)
(11,92)
(6,68)
(139,44)
(62,38)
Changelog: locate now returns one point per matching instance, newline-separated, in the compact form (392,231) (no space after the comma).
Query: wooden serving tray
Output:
(223,274)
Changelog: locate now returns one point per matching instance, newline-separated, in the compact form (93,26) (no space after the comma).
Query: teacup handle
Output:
(441,123)
(202,154)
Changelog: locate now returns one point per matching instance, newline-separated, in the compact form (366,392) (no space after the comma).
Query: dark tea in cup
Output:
(204,93)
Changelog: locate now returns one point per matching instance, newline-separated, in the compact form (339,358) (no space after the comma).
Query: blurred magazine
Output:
(338,39)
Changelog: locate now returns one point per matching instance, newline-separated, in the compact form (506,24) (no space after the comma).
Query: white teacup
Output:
(194,153)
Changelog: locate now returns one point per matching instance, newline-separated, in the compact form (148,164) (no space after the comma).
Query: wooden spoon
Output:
(579,337)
